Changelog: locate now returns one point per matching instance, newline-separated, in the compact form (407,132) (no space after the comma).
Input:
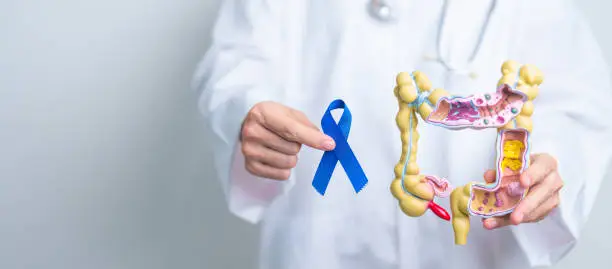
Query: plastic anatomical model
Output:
(414,191)
(508,109)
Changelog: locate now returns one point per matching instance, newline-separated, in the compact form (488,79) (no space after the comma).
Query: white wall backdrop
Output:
(102,159)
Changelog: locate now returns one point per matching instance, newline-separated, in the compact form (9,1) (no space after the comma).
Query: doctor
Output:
(275,65)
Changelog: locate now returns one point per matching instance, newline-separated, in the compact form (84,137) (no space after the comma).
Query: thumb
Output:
(328,144)
(301,117)
(314,138)
(289,128)
(489,176)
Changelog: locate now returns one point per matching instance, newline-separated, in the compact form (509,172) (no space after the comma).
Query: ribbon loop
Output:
(342,153)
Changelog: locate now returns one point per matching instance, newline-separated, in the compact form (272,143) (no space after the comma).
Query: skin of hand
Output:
(272,135)
(544,182)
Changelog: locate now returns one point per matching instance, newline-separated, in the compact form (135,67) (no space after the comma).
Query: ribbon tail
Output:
(354,171)
(324,172)
(349,162)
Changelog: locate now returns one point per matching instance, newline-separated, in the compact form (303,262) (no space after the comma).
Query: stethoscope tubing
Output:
(382,11)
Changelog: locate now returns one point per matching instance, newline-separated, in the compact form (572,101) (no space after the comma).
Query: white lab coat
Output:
(306,53)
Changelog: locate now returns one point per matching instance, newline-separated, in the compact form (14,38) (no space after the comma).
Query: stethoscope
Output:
(383,11)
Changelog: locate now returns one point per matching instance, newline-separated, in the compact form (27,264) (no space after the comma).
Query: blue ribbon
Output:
(342,152)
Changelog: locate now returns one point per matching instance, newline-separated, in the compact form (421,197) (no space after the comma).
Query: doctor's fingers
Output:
(260,169)
(541,166)
(283,122)
(257,134)
(496,222)
(272,158)
(543,210)
(537,196)
(537,215)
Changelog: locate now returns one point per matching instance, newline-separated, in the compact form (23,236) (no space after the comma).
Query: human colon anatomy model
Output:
(509,110)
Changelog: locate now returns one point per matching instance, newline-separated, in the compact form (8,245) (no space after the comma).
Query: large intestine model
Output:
(509,110)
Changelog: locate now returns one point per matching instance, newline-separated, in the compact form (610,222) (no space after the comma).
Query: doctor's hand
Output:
(544,183)
(272,135)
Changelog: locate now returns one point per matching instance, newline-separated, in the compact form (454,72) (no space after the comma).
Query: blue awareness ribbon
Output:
(341,153)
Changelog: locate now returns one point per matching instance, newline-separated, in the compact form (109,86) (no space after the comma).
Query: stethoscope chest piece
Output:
(380,10)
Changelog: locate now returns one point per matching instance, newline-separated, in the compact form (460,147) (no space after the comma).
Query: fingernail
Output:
(492,223)
(329,144)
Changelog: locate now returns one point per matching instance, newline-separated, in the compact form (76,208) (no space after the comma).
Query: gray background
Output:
(103,162)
